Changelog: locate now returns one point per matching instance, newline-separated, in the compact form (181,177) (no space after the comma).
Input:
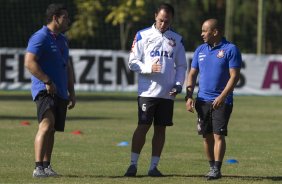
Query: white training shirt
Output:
(150,44)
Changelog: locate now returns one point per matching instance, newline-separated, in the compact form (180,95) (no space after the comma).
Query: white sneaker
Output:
(49,171)
(39,172)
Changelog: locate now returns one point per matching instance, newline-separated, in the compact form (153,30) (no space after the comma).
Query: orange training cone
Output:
(25,123)
(76,132)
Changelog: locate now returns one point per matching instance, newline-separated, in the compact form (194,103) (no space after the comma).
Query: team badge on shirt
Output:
(172,42)
(220,54)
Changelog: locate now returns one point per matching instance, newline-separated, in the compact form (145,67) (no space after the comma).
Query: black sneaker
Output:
(214,174)
(50,172)
(155,173)
(39,172)
(210,172)
(131,171)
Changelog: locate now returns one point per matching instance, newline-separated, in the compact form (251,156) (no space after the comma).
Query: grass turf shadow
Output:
(256,178)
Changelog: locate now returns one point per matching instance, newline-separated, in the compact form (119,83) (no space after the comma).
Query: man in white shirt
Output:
(158,56)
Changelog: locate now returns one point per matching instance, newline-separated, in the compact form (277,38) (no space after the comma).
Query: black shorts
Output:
(211,120)
(158,109)
(58,106)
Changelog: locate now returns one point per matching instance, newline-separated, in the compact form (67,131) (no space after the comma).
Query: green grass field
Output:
(106,119)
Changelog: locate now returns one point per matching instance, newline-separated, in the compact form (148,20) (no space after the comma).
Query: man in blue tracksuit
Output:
(218,64)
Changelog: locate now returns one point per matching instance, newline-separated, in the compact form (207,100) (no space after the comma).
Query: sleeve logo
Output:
(172,42)
(133,44)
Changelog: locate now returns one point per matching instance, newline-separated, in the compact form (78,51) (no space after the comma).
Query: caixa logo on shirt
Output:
(154,53)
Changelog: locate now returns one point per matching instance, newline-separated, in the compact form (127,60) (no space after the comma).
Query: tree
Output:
(260,27)
(125,14)
(229,19)
(86,20)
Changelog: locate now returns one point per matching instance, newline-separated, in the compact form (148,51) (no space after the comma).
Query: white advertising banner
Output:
(106,70)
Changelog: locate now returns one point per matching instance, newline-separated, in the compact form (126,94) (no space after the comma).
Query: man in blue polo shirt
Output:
(218,64)
(52,84)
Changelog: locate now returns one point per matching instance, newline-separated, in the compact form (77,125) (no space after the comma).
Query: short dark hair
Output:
(166,7)
(54,9)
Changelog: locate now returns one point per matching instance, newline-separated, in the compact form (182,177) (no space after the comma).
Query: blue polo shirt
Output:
(213,65)
(52,52)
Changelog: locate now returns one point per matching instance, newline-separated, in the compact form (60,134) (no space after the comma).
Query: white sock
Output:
(154,162)
(134,158)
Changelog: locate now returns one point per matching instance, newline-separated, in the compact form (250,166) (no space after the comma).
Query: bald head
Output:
(214,24)
(212,31)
